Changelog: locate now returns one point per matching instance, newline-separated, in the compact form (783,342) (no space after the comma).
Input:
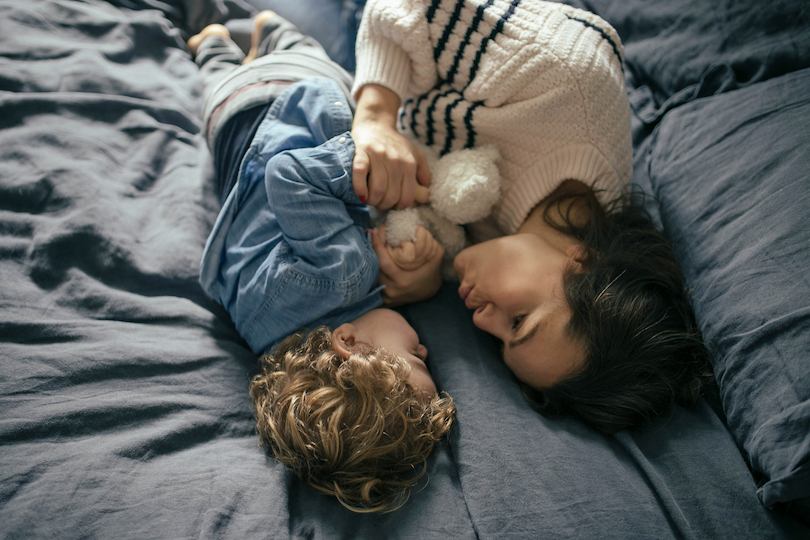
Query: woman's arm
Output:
(394,61)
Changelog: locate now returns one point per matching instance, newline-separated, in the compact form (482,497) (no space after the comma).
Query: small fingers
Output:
(430,245)
(387,265)
(421,244)
(404,254)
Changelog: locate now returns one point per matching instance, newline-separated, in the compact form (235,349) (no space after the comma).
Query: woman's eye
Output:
(516,321)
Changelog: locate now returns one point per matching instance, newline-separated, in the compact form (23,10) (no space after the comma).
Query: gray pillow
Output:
(731,176)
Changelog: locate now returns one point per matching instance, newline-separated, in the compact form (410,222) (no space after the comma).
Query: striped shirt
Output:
(542,81)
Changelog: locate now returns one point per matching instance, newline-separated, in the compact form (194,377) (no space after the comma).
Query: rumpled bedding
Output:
(124,409)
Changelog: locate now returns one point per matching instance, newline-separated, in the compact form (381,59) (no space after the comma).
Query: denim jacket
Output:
(289,249)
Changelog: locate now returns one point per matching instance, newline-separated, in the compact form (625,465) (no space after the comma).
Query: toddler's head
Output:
(351,418)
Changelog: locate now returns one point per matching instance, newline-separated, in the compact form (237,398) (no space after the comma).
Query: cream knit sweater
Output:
(542,81)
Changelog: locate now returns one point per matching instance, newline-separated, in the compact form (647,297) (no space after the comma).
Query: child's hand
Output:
(410,272)
(388,170)
(412,255)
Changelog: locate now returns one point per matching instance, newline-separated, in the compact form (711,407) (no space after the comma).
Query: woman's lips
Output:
(469,301)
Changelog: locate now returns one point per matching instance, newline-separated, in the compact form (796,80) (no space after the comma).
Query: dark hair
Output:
(631,311)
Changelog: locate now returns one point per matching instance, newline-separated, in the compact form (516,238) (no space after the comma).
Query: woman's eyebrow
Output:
(525,337)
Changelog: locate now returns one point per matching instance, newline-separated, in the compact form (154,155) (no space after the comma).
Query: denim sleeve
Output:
(323,270)
(310,192)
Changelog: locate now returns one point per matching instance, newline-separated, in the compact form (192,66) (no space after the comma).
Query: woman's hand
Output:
(388,170)
(410,272)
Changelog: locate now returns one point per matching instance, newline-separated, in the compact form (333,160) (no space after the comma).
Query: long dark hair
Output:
(630,308)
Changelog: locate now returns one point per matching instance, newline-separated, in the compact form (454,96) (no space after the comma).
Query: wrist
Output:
(377,104)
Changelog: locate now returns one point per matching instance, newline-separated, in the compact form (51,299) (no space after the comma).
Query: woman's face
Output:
(514,284)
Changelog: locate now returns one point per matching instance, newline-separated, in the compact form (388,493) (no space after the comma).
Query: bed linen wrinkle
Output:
(123,391)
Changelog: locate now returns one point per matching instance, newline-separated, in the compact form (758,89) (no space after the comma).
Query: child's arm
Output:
(310,194)
(410,272)
(388,170)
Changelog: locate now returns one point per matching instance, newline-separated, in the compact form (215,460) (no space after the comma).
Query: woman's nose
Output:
(483,317)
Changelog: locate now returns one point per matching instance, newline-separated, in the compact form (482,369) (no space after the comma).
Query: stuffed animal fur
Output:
(464,186)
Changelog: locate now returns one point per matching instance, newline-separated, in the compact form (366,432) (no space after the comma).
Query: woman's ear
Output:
(344,338)
(578,256)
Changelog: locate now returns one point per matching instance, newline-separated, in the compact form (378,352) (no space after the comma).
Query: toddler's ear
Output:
(344,338)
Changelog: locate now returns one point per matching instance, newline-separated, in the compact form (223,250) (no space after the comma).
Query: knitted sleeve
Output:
(394,49)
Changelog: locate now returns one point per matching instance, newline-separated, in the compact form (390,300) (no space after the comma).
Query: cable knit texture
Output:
(541,81)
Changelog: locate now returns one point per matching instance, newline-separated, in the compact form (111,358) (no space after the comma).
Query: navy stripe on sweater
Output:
(414,111)
(431,12)
(603,34)
(430,131)
(430,134)
(448,120)
(468,118)
(495,31)
(479,16)
(448,29)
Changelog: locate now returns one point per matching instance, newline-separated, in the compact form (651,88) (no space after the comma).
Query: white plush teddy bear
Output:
(464,186)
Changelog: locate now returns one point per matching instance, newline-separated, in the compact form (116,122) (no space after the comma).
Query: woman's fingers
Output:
(421,194)
(360,168)
(379,184)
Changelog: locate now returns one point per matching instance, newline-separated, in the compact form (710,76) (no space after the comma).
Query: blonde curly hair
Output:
(355,427)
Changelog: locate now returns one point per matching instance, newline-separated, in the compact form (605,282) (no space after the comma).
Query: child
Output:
(349,406)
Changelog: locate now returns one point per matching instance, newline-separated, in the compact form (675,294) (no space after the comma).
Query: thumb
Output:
(387,265)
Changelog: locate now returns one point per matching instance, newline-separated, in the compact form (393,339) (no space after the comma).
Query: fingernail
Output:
(362,198)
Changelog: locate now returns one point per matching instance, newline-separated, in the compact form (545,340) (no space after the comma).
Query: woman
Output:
(569,273)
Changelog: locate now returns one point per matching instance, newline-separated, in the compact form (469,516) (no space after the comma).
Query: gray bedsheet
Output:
(124,410)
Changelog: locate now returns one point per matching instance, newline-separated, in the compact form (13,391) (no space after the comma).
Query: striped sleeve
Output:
(394,48)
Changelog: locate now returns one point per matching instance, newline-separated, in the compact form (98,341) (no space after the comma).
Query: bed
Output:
(124,410)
